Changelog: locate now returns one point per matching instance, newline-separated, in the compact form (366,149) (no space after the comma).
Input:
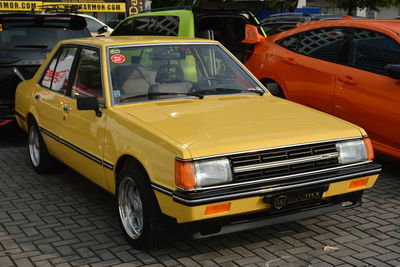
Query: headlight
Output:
(212,172)
(354,151)
(202,173)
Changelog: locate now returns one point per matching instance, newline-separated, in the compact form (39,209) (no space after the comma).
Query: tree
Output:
(351,5)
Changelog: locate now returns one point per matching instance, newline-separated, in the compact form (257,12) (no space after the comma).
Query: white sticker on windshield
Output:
(114,51)
(117,93)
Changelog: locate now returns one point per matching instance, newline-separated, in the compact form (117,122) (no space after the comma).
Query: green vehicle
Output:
(223,21)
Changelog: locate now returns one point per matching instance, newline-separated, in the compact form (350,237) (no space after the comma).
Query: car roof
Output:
(127,40)
(390,24)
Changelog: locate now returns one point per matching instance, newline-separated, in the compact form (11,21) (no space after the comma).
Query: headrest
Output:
(169,73)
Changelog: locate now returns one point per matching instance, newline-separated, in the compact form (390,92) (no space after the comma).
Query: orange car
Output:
(349,68)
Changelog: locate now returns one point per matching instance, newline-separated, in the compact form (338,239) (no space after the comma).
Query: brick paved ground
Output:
(63,220)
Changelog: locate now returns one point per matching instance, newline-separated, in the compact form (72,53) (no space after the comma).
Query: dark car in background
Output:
(25,41)
(277,23)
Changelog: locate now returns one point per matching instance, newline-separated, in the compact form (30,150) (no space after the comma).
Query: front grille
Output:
(284,161)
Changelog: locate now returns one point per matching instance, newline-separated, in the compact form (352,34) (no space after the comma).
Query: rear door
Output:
(365,95)
(309,66)
(50,95)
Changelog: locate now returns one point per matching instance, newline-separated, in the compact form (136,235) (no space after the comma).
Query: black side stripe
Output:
(77,149)
(20,115)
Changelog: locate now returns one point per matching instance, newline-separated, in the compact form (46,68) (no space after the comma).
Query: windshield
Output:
(142,73)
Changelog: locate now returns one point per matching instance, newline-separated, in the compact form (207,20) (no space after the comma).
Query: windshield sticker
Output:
(118,58)
(117,93)
(115,51)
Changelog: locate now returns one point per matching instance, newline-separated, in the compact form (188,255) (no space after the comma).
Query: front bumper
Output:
(187,207)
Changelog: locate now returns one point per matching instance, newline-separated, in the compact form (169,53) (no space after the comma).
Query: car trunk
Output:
(225,22)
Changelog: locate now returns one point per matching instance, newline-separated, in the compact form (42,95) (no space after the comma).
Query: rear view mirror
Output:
(393,70)
(252,35)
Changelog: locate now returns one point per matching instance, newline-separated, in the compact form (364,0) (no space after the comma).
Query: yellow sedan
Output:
(181,132)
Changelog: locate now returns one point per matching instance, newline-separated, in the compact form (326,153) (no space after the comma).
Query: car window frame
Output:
(75,71)
(347,63)
(56,54)
(340,51)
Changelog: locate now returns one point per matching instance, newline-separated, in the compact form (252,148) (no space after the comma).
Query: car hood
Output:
(218,125)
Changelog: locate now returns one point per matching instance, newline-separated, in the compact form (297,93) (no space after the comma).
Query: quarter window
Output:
(57,74)
(88,76)
(371,51)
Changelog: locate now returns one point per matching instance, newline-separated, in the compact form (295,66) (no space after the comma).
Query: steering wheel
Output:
(197,84)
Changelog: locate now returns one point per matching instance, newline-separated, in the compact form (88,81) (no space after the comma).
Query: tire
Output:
(273,88)
(140,217)
(40,158)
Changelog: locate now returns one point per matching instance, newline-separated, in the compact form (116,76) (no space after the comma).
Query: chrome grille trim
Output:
(253,182)
(287,162)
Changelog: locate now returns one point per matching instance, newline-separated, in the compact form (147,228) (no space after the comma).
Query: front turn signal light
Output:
(218,208)
(358,183)
(184,174)
(368,148)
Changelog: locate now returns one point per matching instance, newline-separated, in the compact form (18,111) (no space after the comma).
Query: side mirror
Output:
(102,30)
(88,103)
(393,71)
(252,35)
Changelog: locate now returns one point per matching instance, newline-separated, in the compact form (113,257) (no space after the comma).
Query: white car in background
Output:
(96,26)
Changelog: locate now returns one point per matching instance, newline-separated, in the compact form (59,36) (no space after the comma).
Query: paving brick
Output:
(40,228)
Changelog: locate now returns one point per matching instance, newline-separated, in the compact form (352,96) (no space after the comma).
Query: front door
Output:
(83,134)
(365,95)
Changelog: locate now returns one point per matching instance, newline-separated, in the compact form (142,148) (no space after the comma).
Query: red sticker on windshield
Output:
(118,58)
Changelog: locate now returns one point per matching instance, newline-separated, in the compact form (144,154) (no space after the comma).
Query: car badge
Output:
(280,201)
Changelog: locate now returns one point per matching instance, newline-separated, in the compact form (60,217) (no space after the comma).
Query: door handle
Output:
(37,97)
(67,109)
(289,60)
(347,79)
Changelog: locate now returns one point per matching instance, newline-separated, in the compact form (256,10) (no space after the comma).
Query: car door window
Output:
(151,25)
(322,43)
(57,74)
(371,51)
(290,42)
(88,76)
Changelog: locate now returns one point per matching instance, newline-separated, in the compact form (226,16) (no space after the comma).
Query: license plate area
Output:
(293,199)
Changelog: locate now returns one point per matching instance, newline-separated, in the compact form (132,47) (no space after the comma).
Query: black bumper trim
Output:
(202,198)
(230,224)
(19,115)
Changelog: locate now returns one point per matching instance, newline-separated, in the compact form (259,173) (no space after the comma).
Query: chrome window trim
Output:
(275,178)
(286,162)
(270,148)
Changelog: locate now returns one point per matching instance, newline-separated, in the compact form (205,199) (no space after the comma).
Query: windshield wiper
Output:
(33,46)
(233,90)
(199,95)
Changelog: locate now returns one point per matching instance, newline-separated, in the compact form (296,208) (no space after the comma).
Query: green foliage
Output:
(170,3)
(351,5)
